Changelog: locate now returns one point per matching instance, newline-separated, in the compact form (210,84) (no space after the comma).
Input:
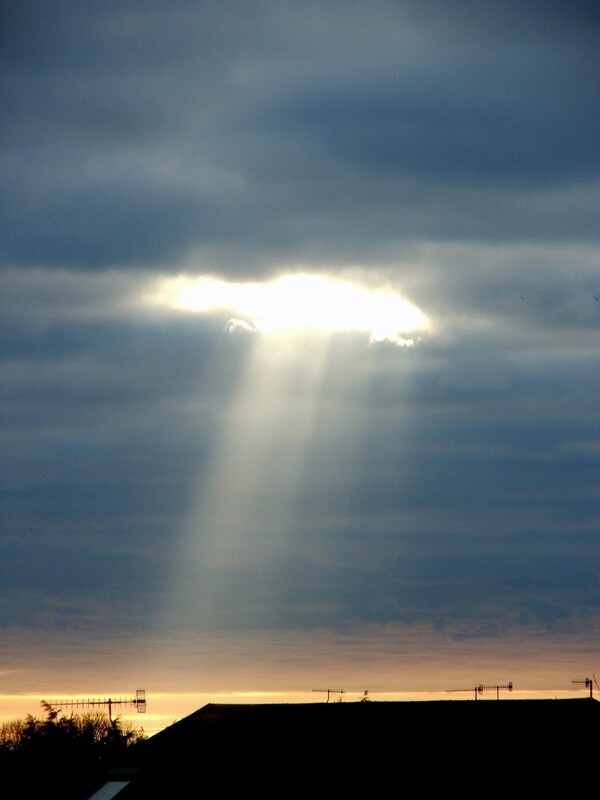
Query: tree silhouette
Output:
(62,755)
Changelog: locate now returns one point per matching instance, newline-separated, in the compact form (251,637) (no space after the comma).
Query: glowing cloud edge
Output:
(297,302)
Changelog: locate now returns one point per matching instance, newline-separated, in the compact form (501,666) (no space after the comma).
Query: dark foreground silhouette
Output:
(64,756)
(370,749)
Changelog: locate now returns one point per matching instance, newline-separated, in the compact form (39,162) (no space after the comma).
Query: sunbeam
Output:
(230,558)
(238,527)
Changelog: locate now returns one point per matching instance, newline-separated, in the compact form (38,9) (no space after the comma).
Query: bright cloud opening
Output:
(299,302)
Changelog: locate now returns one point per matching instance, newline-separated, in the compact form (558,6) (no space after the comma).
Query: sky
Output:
(299,350)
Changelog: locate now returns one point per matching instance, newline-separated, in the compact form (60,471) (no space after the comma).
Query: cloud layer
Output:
(448,152)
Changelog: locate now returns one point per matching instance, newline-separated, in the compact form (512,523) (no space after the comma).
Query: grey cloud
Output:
(446,150)
(140,134)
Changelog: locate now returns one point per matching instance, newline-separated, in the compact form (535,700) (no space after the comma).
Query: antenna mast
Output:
(587,683)
(476,690)
(330,692)
(508,686)
(480,687)
(139,701)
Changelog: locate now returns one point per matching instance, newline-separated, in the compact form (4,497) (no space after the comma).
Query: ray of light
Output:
(240,523)
(226,572)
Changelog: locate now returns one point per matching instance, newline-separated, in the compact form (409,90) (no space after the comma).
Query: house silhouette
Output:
(369,749)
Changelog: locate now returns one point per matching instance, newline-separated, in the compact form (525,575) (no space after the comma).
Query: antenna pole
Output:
(476,690)
(139,701)
(508,686)
(588,685)
(331,691)
(479,689)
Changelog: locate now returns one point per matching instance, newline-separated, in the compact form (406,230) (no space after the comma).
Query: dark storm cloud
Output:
(509,136)
(138,133)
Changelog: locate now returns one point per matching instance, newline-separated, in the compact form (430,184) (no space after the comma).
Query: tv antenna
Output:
(139,701)
(476,690)
(587,683)
(330,692)
(508,686)
(480,687)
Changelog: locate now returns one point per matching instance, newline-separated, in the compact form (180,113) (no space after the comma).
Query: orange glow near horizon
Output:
(393,662)
(165,708)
